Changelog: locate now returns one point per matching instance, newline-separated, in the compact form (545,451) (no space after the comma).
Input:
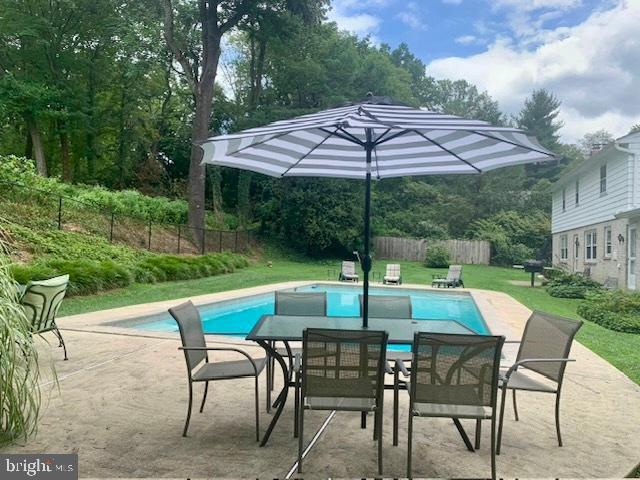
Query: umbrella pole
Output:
(366,262)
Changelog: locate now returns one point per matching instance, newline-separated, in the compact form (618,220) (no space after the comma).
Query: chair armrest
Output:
(401,367)
(520,363)
(224,349)
(297,362)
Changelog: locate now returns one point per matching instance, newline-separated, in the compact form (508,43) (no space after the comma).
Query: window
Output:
(564,199)
(590,248)
(608,245)
(576,247)
(577,192)
(564,247)
(603,178)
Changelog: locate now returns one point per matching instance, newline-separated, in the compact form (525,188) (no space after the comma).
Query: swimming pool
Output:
(237,317)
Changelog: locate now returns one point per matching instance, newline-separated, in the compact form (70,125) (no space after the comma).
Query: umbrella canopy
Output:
(377,138)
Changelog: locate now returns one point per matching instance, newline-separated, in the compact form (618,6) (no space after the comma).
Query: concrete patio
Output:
(121,400)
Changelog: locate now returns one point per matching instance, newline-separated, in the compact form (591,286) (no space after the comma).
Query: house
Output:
(596,215)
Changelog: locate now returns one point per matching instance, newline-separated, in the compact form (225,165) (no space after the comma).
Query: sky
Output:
(586,52)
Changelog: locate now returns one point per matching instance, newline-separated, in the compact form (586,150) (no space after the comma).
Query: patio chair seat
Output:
(391,278)
(341,403)
(451,411)
(399,355)
(233,369)
(522,381)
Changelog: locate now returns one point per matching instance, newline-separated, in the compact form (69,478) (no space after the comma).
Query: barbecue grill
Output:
(533,267)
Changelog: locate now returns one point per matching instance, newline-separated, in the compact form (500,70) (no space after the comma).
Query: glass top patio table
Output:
(401,331)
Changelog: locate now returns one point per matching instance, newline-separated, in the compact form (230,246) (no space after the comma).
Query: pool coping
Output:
(102,321)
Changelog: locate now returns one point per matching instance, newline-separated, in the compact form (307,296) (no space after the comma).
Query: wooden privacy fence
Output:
(411,249)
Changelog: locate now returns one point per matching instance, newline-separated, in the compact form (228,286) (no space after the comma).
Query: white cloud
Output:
(593,68)
(452,2)
(350,15)
(467,40)
(412,17)
(531,5)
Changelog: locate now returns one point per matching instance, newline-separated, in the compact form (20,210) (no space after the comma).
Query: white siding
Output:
(593,207)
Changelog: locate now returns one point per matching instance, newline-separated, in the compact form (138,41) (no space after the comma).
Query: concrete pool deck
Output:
(121,399)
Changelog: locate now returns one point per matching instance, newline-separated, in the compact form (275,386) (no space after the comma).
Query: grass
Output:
(620,349)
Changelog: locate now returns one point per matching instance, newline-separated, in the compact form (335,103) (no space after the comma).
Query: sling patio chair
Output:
(348,272)
(41,301)
(392,275)
(298,304)
(201,369)
(541,361)
(454,376)
(391,306)
(453,278)
(344,372)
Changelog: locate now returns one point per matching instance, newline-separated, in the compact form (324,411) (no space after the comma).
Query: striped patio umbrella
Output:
(377,138)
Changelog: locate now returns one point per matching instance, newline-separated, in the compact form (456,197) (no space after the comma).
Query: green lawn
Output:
(621,349)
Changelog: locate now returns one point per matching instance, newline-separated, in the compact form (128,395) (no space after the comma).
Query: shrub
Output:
(437,257)
(567,285)
(88,276)
(618,310)
(20,399)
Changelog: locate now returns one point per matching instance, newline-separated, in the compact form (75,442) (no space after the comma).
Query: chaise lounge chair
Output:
(392,276)
(453,279)
(41,301)
(348,272)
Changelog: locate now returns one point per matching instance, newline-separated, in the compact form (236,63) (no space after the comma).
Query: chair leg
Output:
(558,418)
(296,405)
(204,396)
(515,405)
(300,438)
(493,446)
(478,434)
(186,423)
(395,406)
(380,441)
(409,444)
(61,344)
(257,412)
(504,397)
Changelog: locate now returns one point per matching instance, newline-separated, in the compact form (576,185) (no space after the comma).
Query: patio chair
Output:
(543,355)
(388,306)
(454,376)
(348,272)
(200,369)
(41,301)
(453,278)
(392,276)
(298,304)
(345,372)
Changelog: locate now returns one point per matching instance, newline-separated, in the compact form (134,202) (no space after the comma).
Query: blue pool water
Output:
(237,317)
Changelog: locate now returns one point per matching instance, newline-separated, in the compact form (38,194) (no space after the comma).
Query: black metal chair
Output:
(297,304)
(544,351)
(41,301)
(454,376)
(200,369)
(342,370)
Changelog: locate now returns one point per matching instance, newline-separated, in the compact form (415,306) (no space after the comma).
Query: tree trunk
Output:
(199,133)
(66,162)
(38,148)
(28,145)
(244,190)
(91,137)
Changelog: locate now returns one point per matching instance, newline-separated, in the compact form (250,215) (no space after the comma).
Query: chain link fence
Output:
(32,207)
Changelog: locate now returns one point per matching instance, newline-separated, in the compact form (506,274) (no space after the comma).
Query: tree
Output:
(594,141)
(635,128)
(539,118)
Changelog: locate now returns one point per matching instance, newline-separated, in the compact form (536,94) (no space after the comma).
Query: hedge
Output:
(89,276)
